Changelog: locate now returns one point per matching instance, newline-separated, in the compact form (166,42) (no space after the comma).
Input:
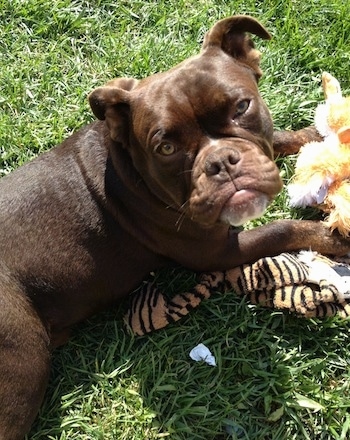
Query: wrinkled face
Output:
(200,136)
(202,141)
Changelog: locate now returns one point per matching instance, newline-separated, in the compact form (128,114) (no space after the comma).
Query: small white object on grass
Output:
(202,353)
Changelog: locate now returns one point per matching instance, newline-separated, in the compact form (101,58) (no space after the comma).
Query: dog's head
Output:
(199,134)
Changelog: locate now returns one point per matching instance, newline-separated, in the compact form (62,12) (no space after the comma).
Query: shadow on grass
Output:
(277,377)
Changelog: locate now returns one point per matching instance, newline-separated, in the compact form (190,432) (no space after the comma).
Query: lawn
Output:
(278,377)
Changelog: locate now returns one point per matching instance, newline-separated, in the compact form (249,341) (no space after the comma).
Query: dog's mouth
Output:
(232,184)
(242,206)
(230,206)
(235,200)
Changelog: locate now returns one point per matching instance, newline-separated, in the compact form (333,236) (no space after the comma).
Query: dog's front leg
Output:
(289,142)
(284,236)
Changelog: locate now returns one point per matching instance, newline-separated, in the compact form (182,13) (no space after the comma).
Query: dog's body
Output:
(175,160)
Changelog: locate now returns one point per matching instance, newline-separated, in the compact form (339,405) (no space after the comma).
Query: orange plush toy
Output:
(322,172)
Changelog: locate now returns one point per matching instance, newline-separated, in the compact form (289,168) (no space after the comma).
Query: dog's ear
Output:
(112,103)
(230,36)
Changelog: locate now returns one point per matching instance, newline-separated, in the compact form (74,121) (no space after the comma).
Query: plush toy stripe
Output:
(141,317)
(277,282)
(268,273)
(150,310)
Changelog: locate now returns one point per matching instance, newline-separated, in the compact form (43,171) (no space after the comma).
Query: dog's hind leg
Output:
(24,362)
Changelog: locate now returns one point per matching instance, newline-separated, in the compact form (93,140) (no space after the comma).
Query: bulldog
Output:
(173,166)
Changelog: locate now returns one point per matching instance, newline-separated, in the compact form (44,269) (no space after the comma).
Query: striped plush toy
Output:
(307,284)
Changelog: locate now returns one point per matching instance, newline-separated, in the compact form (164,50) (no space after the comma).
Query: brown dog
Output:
(177,160)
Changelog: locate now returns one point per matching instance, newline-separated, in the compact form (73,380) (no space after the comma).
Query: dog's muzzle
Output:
(232,185)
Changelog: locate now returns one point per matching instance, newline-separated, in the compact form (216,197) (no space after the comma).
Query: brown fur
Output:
(148,185)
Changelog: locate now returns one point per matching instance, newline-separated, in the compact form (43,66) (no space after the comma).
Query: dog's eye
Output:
(242,107)
(166,149)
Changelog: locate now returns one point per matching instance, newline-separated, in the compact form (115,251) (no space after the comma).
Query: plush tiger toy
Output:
(307,283)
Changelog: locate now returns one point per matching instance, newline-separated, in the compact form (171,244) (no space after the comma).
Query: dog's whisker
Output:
(185,172)
(180,221)
(182,215)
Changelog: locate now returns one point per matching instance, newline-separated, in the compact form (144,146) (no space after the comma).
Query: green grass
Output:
(277,377)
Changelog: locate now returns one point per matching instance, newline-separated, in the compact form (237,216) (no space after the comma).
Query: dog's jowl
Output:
(175,162)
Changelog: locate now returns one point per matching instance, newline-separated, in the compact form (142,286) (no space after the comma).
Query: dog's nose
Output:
(222,161)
